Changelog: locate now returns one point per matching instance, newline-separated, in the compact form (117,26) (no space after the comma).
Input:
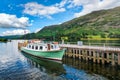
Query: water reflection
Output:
(50,67)
(62,70)
(110,72)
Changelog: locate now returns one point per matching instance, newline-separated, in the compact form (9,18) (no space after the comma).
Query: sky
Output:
(18,17)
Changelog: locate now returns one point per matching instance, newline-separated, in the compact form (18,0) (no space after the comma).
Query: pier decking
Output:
(96,54)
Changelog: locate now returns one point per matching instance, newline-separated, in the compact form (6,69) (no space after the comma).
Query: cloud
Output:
(75,3)
(95,5)
(62,3)
(35,9)
(15,32)
(8,21)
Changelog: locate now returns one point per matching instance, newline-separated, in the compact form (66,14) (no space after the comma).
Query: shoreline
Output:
(100,39)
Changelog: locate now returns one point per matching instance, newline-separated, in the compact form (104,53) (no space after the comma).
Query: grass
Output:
(100,38)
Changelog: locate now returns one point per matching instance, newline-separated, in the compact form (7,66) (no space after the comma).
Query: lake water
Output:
(15,65)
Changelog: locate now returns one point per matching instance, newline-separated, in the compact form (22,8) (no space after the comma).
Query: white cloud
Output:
(35,9)
(95,5)
(74,3)
(15,32)
(37,30)
(62,3)
(8,21)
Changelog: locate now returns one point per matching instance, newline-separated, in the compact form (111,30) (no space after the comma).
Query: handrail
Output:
(96,44)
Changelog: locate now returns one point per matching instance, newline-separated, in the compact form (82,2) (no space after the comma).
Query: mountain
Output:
(1,37)
(103,24)
(11,37)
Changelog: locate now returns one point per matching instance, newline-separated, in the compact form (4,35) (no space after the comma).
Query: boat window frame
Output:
(29,46)
(40,47)
(33,47)
(55,46)
(36,47)
(52,46)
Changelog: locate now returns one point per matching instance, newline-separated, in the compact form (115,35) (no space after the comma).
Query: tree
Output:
(64,38)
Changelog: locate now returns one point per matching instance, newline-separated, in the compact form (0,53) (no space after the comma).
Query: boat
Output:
(50,51)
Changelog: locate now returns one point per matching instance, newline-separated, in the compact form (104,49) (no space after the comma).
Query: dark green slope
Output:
(104,23)
(11,37)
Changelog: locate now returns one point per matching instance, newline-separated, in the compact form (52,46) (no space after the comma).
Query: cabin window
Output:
(36,47)
(55,46)
(32,47)
(51,46)
(41,47)
(29,46)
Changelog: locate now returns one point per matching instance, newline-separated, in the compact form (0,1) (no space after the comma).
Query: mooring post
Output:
(79,54)
(83,54)
(94,56)
(118,58)
(98,58)
(113,60)
(73,54)
(103,61)
(107,57)
(86,55)
(89,54)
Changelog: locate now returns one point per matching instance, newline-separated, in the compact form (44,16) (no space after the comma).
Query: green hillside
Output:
(98,24)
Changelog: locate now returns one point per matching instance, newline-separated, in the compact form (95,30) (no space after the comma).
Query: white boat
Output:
(44,50)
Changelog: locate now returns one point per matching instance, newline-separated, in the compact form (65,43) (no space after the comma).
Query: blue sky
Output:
(19,17)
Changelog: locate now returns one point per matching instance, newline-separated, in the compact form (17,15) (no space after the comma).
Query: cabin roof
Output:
(41,44)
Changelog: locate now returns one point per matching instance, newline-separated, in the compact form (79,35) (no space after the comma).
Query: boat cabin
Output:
(43,47)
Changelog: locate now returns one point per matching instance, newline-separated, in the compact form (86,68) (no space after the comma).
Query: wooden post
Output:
(118,58)
(103,61)
(107,57)
(113,61)
(89,54)
(82,54)
(79,54)
(98,60)
(94,56)
(86,55)
(73,52)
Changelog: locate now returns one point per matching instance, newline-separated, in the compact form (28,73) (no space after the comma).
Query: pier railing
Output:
(103,44)
(95,44)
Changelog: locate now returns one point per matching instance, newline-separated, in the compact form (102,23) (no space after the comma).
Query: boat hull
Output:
(53,55)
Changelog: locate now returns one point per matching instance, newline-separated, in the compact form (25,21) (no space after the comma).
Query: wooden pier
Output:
(22,44)
(93,53)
